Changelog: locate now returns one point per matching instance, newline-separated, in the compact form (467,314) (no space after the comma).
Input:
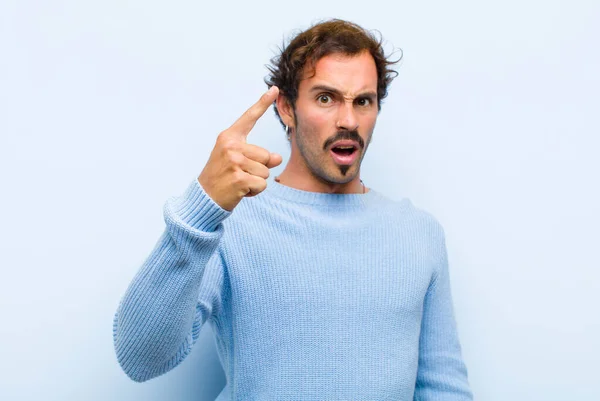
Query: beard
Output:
(317,159)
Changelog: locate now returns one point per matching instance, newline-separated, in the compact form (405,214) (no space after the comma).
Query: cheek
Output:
(319,122)
(320,116)
(368,122)
(324,121)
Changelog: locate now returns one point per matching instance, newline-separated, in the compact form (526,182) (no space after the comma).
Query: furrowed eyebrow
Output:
(334,91)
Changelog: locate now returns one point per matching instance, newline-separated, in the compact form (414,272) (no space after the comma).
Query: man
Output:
(317,287)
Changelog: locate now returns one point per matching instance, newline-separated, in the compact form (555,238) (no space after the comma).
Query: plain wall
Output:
(107,108)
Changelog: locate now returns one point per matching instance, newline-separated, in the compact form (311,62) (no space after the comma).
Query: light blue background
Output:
(107,108)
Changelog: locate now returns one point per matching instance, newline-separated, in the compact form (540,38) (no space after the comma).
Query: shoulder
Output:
(405,208)
(404,212)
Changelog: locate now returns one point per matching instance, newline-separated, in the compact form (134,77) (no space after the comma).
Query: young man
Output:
(317,287)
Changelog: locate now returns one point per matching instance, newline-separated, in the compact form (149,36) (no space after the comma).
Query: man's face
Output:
(335,111)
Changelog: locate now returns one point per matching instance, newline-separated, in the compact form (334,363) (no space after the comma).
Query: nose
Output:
(347,118)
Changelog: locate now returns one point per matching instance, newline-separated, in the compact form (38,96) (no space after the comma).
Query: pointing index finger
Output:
(246,122)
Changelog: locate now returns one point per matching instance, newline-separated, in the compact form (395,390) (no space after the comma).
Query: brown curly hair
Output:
(322,39)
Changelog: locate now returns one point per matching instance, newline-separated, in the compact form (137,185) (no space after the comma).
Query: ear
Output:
(285,110)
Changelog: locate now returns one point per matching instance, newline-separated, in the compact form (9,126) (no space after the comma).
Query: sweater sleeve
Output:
(442,374)
(159,317)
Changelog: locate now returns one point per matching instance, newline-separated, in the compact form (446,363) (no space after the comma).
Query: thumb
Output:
(275,160)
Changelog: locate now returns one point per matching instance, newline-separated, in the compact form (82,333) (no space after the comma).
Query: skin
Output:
(338,101)
(235,168)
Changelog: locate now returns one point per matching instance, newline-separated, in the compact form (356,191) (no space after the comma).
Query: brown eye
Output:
(324,99)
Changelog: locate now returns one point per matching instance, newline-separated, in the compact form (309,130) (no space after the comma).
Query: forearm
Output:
(157,314)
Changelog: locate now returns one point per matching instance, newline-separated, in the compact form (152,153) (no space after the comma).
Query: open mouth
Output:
(343,150)
(344,154)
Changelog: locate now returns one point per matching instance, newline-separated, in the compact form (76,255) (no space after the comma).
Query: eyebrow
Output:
(337,92)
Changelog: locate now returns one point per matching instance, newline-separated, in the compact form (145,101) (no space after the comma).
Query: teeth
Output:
(345,147)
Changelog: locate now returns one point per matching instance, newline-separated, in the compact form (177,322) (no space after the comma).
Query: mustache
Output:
(341,135)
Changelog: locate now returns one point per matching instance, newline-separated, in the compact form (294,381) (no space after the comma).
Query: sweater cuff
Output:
(198,209)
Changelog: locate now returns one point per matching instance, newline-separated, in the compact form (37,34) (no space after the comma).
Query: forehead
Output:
(349,74)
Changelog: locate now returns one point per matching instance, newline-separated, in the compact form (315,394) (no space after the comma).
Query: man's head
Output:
(332,79)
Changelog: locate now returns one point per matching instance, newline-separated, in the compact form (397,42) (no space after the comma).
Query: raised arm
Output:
(159,318)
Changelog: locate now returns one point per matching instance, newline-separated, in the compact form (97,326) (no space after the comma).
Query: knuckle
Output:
(238,177)
(235,157)
(262,184)
(260,155)
(229,145)
(265,173)
(265,156)
(223,137)
(250,114)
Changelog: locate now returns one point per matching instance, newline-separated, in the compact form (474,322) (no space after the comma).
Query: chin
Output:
(338,178)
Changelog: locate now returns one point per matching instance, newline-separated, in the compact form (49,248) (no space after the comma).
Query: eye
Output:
(324,99)
(364,101)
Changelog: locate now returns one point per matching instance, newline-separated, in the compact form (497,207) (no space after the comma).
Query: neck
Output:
(307,182)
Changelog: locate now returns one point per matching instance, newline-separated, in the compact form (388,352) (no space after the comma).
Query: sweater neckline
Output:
(319,198)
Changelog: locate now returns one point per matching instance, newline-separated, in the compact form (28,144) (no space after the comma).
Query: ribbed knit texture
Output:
(312,296)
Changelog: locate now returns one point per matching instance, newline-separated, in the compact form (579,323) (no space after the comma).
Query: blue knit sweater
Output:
(311,296)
